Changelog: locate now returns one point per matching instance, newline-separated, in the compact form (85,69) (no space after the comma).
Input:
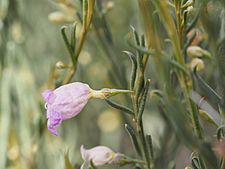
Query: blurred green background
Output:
(30,46)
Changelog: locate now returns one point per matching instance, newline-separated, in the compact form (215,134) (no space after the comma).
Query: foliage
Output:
(171,58)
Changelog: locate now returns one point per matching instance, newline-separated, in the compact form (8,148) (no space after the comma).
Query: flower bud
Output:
(110,5)
(60,65)
(188,167)
(59,17)
(190,9)
(196,51)
(188,3)
(197,63)
(99,156)
(199,36)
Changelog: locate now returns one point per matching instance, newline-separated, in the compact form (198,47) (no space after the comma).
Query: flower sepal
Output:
(122,160)
(106,93)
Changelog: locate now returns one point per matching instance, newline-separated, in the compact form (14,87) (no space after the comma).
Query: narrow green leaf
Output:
(138,43)
(133,70)
(192,24)
(119,107)
(195,162)
(139,87)
(156,92)
(143,100)
(206,107)
(133,138)
(208,90)
(136,37)
(143,41)
(73,38)
(150,146)
(179,67)
(92,165)
(66,41)
(141,49)
(73,44)
(208,118)
(195,119)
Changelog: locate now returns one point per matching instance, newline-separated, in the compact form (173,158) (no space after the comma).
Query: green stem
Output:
(88,11)
(177,43)
(144,144)
(182,78)
(179,19)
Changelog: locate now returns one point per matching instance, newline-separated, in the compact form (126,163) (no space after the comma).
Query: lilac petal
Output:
(53,130)
(53,123)
(84,155)
(56,122)
(100,155)
(48,96)
(83,152)
(53,115)
(64,103)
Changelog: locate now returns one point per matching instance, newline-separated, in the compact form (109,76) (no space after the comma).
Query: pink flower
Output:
(99,155)
(64,103)
(68,100)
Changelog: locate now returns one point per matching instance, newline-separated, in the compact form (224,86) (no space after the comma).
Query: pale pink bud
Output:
(197,63)
(196,51)
(220,148)
(99,155)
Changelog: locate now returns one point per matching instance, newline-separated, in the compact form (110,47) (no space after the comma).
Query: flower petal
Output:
(65,102)
(53,121)
(99,155)
(52,129)
(84,153)
(48,96)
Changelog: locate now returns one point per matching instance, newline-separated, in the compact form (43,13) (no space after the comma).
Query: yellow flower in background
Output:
(58,17)
(109,121)
(66,14)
